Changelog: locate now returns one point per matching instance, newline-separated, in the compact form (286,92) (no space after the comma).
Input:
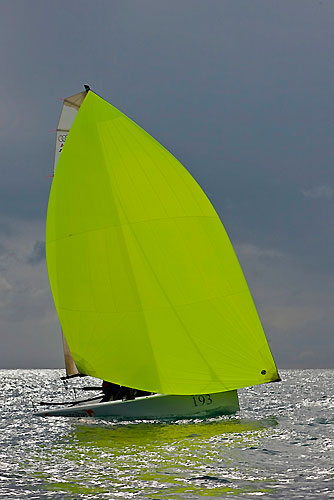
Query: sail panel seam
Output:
(133,223)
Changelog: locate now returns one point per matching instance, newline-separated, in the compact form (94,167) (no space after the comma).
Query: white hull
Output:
(155,406)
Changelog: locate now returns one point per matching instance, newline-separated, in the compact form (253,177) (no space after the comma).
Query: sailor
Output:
(113,392)
(110,391)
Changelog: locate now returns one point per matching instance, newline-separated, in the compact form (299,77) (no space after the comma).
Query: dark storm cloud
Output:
(240,91)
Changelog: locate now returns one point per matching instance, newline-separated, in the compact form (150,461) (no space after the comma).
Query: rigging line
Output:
(70,403)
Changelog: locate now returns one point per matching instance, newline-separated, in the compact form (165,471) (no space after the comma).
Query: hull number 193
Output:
(204,399)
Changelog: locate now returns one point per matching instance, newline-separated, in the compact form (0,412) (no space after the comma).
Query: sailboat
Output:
(147,287)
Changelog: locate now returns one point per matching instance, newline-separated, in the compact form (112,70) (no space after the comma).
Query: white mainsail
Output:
(69,110)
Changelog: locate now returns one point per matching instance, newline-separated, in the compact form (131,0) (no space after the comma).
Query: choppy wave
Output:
(280,445)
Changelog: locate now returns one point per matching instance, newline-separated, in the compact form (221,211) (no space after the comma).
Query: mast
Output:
(70,366)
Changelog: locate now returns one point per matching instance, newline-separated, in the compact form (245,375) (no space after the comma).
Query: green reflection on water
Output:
(100,459)
(75,488)
(106,434)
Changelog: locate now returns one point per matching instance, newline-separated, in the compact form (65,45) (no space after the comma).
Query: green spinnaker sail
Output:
(146,284)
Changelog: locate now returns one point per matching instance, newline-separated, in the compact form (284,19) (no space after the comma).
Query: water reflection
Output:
(105,434)
(88,459)
(184,459)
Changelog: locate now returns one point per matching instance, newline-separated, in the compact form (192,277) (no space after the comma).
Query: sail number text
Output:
(61,138)
(204,399)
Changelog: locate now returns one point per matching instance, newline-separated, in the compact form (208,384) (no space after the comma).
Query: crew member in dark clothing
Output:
(110,391)
(113,392)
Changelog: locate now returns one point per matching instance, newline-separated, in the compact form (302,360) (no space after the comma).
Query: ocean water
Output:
(280,445)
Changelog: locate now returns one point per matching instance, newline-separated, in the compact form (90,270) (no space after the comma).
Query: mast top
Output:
(87,88)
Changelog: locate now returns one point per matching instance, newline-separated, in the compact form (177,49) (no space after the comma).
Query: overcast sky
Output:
(240,91)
